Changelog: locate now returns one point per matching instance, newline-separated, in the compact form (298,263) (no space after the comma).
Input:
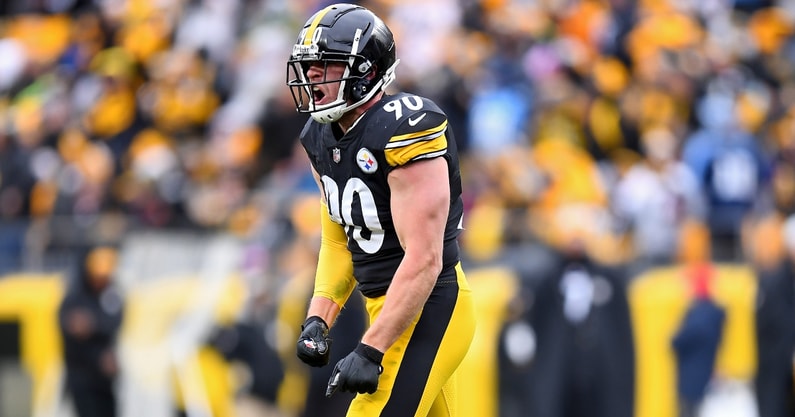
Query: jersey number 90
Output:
(340,210)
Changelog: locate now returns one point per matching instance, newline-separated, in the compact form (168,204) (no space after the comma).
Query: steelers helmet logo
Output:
(366,161)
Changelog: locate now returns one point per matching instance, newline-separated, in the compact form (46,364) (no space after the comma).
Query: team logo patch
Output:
(366,161)
(335,155)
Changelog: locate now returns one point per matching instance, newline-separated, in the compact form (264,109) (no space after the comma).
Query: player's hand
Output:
(357,372)
(314,344)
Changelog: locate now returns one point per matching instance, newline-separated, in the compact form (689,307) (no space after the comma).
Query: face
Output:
(317,72)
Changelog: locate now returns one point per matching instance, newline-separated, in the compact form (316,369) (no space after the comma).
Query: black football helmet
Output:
(348,34)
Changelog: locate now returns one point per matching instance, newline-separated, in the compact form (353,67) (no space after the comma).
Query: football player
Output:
(387,168)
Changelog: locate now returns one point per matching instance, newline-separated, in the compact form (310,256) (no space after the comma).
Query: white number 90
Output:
(340,210)
(396,106)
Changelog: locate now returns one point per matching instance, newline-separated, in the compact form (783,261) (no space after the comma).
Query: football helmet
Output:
(346,34)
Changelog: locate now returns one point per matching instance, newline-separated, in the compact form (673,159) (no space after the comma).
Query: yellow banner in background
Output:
(32,301)
(658,301)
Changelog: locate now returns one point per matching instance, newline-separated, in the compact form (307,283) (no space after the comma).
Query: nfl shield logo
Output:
(335,155)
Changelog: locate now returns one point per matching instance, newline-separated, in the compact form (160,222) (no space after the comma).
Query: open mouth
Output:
(317,95)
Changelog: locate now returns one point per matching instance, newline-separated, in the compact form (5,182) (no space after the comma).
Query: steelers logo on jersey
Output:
(366,161)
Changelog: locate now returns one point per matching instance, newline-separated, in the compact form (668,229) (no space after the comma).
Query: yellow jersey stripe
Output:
(419,134)
(310,32)
(407,142)
(432,147)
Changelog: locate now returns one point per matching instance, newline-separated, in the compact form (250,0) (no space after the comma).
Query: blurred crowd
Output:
(626,118)
(602,126)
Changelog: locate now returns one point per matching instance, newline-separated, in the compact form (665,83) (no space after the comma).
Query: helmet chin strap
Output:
(335,113)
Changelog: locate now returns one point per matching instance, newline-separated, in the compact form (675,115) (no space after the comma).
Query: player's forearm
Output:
(324,308)
(334,277)
(420,228)
(405,298)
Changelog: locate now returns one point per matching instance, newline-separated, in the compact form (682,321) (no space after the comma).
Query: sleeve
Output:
(334,277)
(420,135)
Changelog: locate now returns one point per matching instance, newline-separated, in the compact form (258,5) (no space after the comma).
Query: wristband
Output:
(371,353)
(313,319)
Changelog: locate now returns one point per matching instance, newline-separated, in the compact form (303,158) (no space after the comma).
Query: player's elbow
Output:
(429,260)
(435,264)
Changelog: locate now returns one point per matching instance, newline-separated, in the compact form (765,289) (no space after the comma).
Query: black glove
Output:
(357,372)
(314,345)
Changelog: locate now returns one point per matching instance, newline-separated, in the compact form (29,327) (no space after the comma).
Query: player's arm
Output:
(334,280)
(334,283)
(420,228)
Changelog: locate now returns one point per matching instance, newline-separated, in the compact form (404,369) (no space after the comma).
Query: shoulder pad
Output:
(305,132)
(309,140)
(415,129)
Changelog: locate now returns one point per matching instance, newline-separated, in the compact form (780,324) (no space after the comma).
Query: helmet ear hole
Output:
(361,87)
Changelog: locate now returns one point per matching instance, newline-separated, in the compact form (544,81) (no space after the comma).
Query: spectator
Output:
(90,316)
(766,243)
(655,197)
(730,165)
(696,341)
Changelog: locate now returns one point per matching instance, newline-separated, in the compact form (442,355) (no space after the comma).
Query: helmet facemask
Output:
(356,84)
(344,34)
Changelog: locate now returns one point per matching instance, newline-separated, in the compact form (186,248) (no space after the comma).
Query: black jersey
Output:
(353,168)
